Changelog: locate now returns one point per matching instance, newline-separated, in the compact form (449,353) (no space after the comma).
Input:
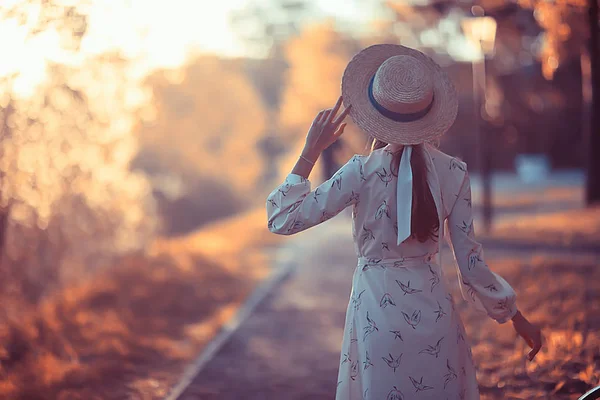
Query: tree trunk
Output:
(3,229)
(593,169)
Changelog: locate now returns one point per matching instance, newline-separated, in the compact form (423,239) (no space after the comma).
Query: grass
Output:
(129,332)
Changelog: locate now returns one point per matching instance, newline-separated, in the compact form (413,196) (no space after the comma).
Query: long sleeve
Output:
(292,207)
(484,288)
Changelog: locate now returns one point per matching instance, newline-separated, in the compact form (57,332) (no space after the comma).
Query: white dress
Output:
(402,339)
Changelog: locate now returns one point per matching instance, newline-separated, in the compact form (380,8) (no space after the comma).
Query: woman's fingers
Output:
(334,110)
(319,116)
(339,131)
(324,116)
(343,115)
(535,343)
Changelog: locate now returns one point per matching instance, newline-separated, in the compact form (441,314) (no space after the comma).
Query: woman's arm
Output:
(290,209)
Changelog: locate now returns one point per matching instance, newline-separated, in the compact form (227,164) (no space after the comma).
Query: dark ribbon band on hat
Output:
(398,117)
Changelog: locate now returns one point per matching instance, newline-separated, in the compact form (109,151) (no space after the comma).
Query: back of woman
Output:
(403,338)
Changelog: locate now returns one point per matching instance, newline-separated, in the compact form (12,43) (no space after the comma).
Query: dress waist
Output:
(399,262)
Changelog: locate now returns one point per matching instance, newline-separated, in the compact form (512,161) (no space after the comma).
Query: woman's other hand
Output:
(528,331)
(325,130)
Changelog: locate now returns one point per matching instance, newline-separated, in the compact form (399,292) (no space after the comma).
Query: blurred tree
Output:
(68,200)
(317,59)
(569,34)
(264,25)
(205,127)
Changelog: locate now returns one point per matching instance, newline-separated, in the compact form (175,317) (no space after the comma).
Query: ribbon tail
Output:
(404,195)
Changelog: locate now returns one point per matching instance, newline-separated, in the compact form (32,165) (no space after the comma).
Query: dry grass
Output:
(569,227)
(560,293)
(128,332)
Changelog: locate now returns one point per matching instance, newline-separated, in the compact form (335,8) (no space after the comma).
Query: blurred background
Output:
(140,138)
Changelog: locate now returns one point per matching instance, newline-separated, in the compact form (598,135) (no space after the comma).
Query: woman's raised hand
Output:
(325,129)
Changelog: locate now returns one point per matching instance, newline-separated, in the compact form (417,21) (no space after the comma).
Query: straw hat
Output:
(399,95)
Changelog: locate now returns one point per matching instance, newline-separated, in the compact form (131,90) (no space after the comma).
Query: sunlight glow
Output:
(156,34)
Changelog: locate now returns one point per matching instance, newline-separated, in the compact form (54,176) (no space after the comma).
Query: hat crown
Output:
(403,84)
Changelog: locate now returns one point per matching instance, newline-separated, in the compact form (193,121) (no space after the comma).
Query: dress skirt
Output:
(403,338)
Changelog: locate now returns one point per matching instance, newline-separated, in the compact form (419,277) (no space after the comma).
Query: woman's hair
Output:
(425,223)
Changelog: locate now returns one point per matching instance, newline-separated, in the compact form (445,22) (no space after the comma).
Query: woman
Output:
(402,338)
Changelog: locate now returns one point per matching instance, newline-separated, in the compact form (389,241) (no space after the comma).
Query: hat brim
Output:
(355,84)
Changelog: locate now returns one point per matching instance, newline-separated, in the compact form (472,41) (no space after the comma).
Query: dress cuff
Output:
(507,318)
(294,179)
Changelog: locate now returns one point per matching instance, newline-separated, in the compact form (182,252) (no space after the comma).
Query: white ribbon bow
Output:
(404,195)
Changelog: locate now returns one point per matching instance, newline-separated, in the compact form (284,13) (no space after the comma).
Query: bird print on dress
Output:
(296,226)
(406,288)
(419,385)
(370,328)
(414,319)
(433,350)
(470,290)
(367,234)
(435,278)
(372,263)
(440,312)
(400,264)
(466,228)
(395,228)
(337,180)
(395,394)
(356,301)
(273,203)
(385,176)
(385,246)
(353,338)
(365,394)
(346,358)
(474,257)
(450,375)
(469,202)
(382,210)
(392,362)
(361,172)
(285,189)
(491,287)
(354,370)
(455,164)
(459,334)
(502,304)
(315,194)
(386,300)
(397,335)
(367,363)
